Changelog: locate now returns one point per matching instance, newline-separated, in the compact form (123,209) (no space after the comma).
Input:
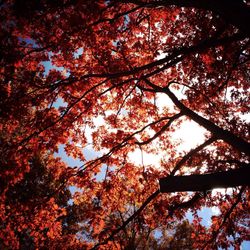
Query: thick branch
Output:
(186,204)
(227,136)
(220,133)
(235,12)
(174,56)
(224,179)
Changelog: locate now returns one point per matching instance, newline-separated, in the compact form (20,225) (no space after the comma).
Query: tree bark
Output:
(224,179)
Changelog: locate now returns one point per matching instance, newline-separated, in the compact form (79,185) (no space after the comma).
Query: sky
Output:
(189,135)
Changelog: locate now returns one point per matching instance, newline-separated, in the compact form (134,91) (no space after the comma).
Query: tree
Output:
(31,205)
(129,75)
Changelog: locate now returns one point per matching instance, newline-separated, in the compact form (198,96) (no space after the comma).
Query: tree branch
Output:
(125,223)
(163,128)
(223,179)
(235,12)
(226,217)
(227,136)
(235,141)
(191,153)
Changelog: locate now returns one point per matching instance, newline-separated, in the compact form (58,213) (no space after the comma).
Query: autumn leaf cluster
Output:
(111,82)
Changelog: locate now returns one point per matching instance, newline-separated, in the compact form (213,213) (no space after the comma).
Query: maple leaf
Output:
(145,69)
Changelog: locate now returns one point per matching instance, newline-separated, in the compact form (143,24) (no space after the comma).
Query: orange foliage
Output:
(116,67)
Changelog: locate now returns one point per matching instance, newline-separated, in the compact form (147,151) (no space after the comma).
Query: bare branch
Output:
(163,129)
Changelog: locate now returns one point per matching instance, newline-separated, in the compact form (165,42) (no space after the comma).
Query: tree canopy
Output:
(113,83)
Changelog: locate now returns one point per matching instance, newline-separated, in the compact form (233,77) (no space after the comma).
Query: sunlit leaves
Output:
(91,77)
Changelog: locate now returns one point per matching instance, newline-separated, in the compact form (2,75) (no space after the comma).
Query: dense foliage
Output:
(112,82)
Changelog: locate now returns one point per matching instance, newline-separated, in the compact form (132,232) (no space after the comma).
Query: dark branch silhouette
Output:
(223,179)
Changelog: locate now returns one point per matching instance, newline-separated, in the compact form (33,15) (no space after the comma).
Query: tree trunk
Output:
(224,179)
